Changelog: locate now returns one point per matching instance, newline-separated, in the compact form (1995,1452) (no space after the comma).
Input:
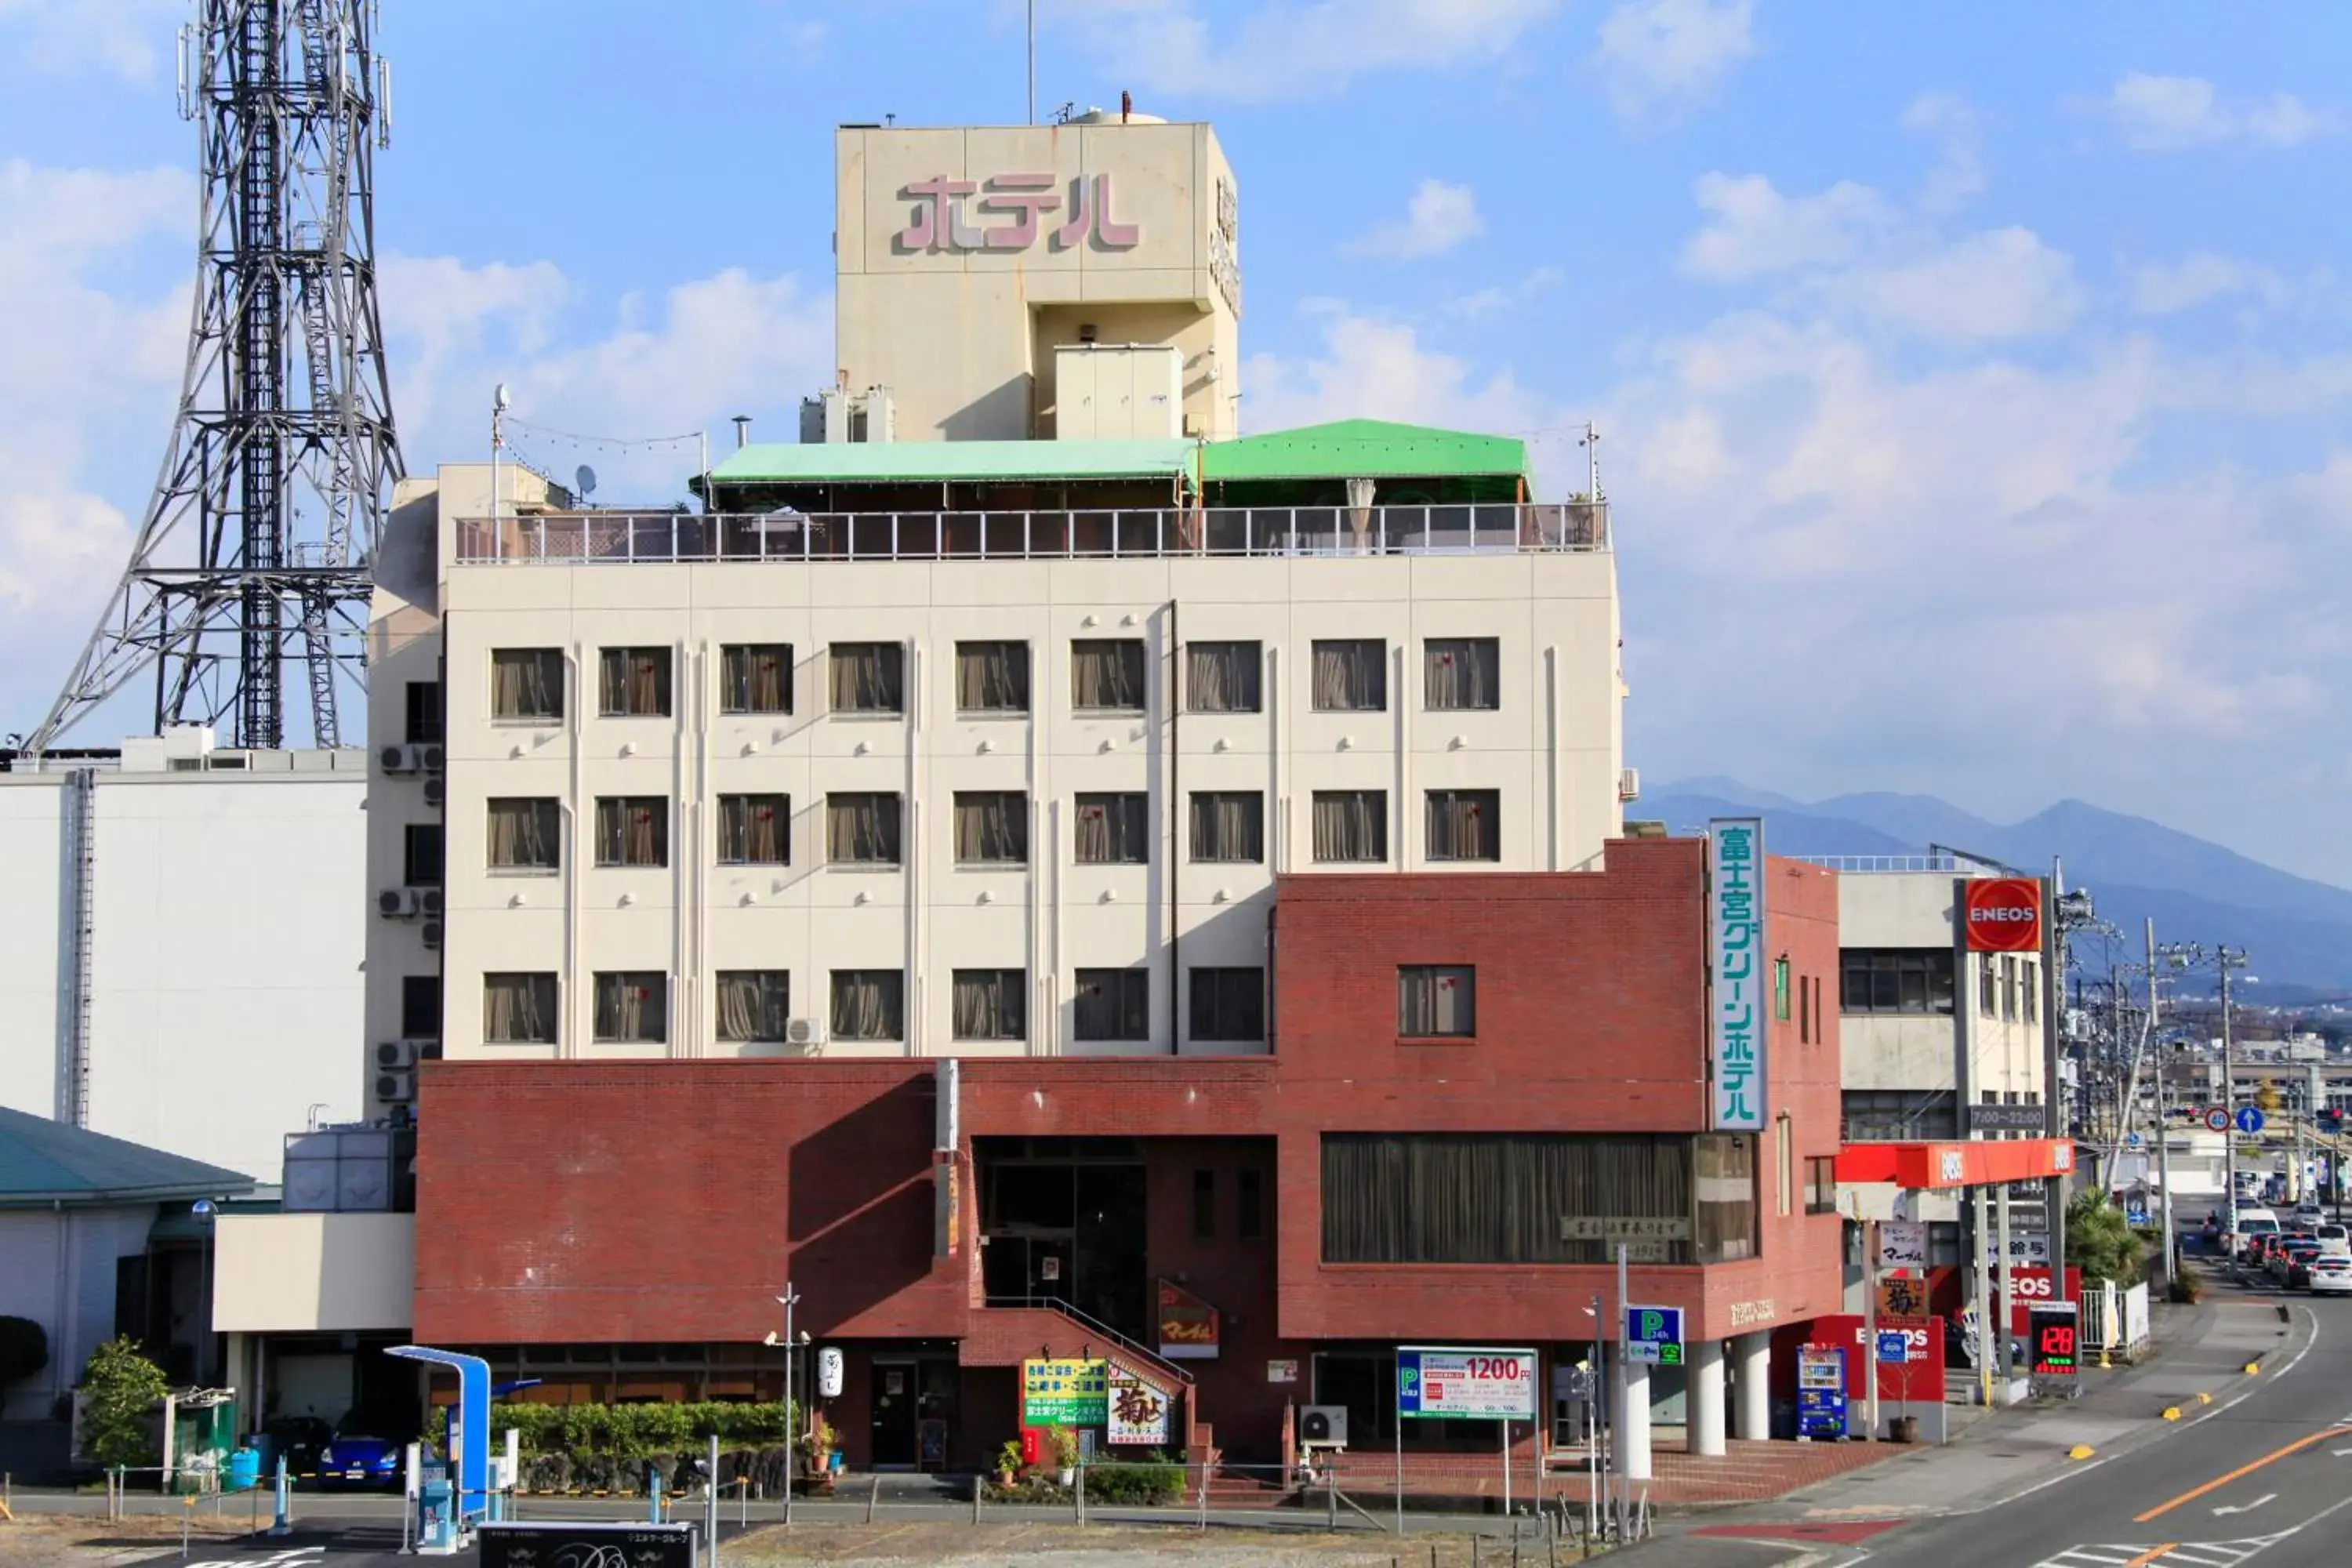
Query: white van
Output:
(2251,1221)
(2334,1240)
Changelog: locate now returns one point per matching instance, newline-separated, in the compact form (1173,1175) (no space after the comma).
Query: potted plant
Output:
(817,1447)
(1008,1464)
(1065,1441)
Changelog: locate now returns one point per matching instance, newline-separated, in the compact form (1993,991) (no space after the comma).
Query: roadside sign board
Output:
(1893,1347)
(2054,1330)
(1653,1335)
(1478,1384)
(1902,1244)
(525,1545)
(1063,1393)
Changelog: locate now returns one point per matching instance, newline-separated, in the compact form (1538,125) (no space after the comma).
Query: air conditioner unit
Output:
(437,790)
(1324,1425)
(396,1054)
(431,933)
(397,903)
(401,758)
(429,901)
(806,1033)
(395,1088)
(429,758)
(1629,784)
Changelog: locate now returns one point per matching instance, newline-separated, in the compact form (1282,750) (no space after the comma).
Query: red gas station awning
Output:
(1949,1166)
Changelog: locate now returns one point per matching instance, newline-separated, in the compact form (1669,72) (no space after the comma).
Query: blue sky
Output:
(1972,381)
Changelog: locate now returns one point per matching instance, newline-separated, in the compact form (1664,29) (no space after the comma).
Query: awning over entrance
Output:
(1928,1166)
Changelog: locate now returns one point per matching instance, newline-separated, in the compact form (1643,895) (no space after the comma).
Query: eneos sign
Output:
(2003,914)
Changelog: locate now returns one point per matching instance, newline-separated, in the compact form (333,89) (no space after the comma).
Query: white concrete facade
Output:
(312,1273)
(1997,1009)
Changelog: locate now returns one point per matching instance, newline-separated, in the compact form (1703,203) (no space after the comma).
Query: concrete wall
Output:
(297,1273)
(56,1268)
(1921,1051)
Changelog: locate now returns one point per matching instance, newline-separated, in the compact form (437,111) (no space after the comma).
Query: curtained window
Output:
(632,830)
(1500,1198)
(1437,999)
(992,678)
(631,1007)
(1222,676)
(1465,825)
(755,830)
(1228,1003)
(519,1009)
(1352,825)
(862,828)
(754,1005)
(526,834)
(632,682)
(1462,673)
(1724,1184)
(1113,1004)
(869,678)
(992,827)
(1228,825)
(989,1004)
(527,684)
(870,1004)
(1107,674)
(1114,829)
(755,678)
(1351,675)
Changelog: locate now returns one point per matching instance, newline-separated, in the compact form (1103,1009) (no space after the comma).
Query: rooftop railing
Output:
(1868,863)
(621,537)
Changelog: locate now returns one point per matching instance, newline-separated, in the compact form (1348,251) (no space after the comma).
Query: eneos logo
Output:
(2003,914)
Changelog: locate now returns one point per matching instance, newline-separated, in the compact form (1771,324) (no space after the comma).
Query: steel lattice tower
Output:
(257,547)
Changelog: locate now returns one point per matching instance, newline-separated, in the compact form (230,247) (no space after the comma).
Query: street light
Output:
(788,1300)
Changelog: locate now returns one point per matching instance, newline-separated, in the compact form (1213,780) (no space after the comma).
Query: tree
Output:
(24,1351)
(2100,1241)
(120,1386)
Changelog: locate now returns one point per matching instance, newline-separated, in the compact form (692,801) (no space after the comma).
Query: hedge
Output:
(632,1431)
(1135,1486)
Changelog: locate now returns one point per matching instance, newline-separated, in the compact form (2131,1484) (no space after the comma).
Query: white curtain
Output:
(993,676)
(988,1003)
(992,827)
(752,1004)
(1462,824)
(1113,829)
(1220,677)
(862,827)
(517,1008)
(755,829)
(757,677)
(632,1007)
(1228,825)
(634,683)
(1350,676)
(1106,673)
(1462,673)
(524,834)
(1352,825)
(526,683)
(867,678)
(868,1004)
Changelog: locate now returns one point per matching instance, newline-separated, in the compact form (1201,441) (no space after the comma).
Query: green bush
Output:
(630,1431)
(120,1386)
(1135,1486)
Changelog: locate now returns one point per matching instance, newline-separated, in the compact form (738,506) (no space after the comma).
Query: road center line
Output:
(2161,1510)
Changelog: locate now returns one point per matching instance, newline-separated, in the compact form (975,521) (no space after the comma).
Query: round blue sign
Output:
(2249,1120)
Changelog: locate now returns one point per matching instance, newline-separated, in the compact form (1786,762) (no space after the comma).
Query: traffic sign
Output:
(2249,1121)
(1653,1335)
(2132,1140)
(2218,1120)
(1893,1347)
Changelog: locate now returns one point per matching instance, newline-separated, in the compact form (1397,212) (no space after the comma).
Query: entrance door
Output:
(896,1394)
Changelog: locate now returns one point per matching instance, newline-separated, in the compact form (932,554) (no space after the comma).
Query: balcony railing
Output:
(599,537)
(1866,864)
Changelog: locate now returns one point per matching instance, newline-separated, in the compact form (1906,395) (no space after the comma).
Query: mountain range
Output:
(2297,932)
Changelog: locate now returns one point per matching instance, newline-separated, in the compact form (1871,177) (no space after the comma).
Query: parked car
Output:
(2331,1274)
(363,1454)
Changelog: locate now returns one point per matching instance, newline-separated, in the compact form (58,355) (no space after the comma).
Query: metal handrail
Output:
(1092,1325)
(1865,864)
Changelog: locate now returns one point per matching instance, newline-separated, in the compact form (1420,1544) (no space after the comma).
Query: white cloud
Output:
(1667,55)
(1438,218)
(1373,369)
(1958,133)
(1755,230)
(127,38)
(2169,113)
(2004,283)
(1286,50)
(2198,279)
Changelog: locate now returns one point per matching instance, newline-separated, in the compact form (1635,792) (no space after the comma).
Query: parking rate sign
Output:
(1493,1384)
(1653,1335)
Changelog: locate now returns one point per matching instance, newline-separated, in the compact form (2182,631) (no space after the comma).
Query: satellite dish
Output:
(499,400)
(583,481)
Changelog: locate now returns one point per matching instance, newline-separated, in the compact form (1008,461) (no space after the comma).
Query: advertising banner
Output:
(1065,1393)
(1490,1384)
(1902,1244)
(2031,1287)
(1921,1374)
(1138,1412)
(1734,858)
(1188,1325)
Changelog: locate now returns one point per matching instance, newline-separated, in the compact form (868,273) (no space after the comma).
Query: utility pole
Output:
(2227,958)
(2163,1124)
(793,1425)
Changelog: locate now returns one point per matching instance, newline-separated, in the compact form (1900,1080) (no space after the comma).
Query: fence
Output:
(2116,1324)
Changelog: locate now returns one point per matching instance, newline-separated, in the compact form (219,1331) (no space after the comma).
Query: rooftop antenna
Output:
(1592,445)
(1032,62)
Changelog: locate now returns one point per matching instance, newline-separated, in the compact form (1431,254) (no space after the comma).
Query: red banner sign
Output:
(1188,1325)
(1919,1375)
(2003,914)
(2030,1288)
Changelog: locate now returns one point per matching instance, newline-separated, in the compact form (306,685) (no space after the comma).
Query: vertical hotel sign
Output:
(1735,893)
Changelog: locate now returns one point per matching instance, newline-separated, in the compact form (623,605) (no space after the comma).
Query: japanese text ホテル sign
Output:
(1735,891)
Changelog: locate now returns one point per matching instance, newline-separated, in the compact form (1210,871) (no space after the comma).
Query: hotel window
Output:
(1250,1204)
(1779,990)
(525,834)
(2029,987)
(1896,980)
(632,830)
(1462,673)
(992,827)
(990,1005)
(1222,676)
(992,678)
(420,1007)
(870,1004)
(1228,1003)
(527,684)
(1784,1167)
(755,678)
(1228,825)
(1114,829)
(862,829)
(1351,675)
(1820,1183)
(1465,825)
(1113,1004)
(1106,674)
(632,682)
(755,830)
(869,678)
(1351,826)
(420,855)
(1988,997)
(519,1009)
(1723,1183)
(2008,986)
(423,712)
(1434,1000)
(753,1005)
(631,1007)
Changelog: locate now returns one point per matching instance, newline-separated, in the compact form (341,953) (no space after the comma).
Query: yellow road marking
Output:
(2151,1554)
(2219,1481)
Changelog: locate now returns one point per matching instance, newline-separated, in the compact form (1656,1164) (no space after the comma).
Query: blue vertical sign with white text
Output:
(1735,891)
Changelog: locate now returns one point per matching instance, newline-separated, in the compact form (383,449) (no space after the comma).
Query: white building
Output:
(184,942)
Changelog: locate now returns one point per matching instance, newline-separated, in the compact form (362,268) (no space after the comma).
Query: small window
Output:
(1222,676)
(1820,1183)
(2028,990)
(869,678)
(992,827)
(990,1005)
(1114,829)
(633,683)
(420,855)
(755,830)
(1460,674)
(1204,1205)
(870,1004)
(1106,674)
(632,830)
(992,678)
(631,1007)
(1113,1004)
(525,834)
(424,726)
(527,684)
(1351,826)
(1896,980)
(1228,825)
(1436,1000)
(1465,825)
(753,1005)
(1351,675)
(862,829)
(519,1009)
(1249,1209)
(1784,1167)
(1780,990)
(1987,1000)
(420,1006)
(1229,1004)
(755,678)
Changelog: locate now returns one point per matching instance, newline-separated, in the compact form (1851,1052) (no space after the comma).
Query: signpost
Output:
(2249,1120)
(1474,1384)
(1653,1335)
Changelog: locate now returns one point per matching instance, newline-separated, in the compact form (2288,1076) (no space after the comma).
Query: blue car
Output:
(356,1459)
